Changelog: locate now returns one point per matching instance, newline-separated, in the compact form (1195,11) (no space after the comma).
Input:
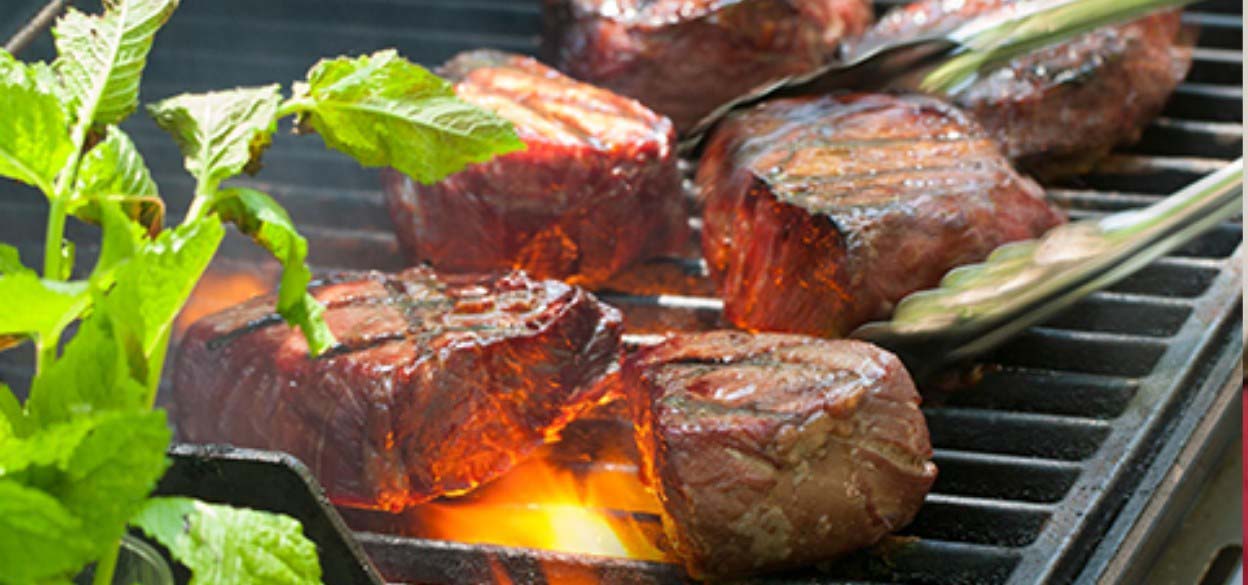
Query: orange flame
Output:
(218,290)
(542,505)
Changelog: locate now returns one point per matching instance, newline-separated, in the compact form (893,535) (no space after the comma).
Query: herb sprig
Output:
(80,457)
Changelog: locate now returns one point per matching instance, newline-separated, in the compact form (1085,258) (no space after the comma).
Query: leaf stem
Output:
(294,106)
(156,366)
(54,240)
(61,193)
(107,565)
(199,206)
(45,353)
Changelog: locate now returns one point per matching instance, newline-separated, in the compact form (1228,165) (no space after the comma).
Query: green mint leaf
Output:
(386,111)
(109,364)
(11,260)
(122,239)
(226,545)
(93,473)
(221,134)
(260,217)
(13,418)
(40,307)
(39,538)
(112,167)
(153,285)
(6,419)
(34,130)
(113,171)
(113,470)
(93,374)
(101,58)
(148,211)
(53,447)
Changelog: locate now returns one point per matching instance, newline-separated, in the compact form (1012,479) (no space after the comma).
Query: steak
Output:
(821,213)
(770,451)
(1057,110)
(685,57)
(436,385)
(596,189)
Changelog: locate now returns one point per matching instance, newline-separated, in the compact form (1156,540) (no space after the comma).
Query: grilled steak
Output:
(596,189)
(822,213)
(685,57)
(1057,110)
(769,451)
(437,386)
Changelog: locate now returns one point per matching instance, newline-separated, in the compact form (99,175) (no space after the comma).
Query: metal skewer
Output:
(960,48)
(979,306)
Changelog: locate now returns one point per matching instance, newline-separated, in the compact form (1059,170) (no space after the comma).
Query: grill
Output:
(1053,468)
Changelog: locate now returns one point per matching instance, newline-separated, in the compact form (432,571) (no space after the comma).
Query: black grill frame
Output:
(1087,417)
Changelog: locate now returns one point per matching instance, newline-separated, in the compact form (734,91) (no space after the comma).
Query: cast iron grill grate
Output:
(1038,461)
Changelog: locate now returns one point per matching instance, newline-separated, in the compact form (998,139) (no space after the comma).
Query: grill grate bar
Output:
(673,302)
(1074,336)
(979,520)
(956,456)
(1213,19)
(1140,164)
(1219,129)
(1216,55)
(1046,392)
(1144,301)
(1015,433)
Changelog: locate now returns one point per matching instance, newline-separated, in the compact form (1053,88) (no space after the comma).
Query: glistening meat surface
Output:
(437,385)
(685,57)
(820,214)
(770,451)
(595,190)
(1059,109)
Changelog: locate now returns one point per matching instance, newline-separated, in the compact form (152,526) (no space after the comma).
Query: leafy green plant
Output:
(79,459)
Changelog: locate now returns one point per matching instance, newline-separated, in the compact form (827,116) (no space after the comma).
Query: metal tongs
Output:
(957,51)
(1023,283)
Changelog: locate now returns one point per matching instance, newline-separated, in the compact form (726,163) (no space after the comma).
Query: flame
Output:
(541,504)
(218,290)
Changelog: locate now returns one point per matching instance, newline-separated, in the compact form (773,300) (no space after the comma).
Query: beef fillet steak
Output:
(820,214)
(595,190)
(685,57)
(770,451)
(1057,110)
(436,387)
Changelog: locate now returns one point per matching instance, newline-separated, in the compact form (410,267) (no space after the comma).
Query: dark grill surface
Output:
(1039,463)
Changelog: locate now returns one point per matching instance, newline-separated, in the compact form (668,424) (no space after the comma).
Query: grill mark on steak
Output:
(595,190)
(435,388)
(771,451)
(1055,111)
(683,58)
(820,213)
(251,326)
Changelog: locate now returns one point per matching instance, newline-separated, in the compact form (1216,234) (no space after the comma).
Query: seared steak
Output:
(1057,110)
(769,451)
(596,189)
(685,57)
(820,214)
(437,386)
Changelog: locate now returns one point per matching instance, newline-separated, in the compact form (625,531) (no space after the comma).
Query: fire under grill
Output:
(1047,464)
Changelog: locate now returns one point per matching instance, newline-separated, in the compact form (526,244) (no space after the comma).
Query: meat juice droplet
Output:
(474,305)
